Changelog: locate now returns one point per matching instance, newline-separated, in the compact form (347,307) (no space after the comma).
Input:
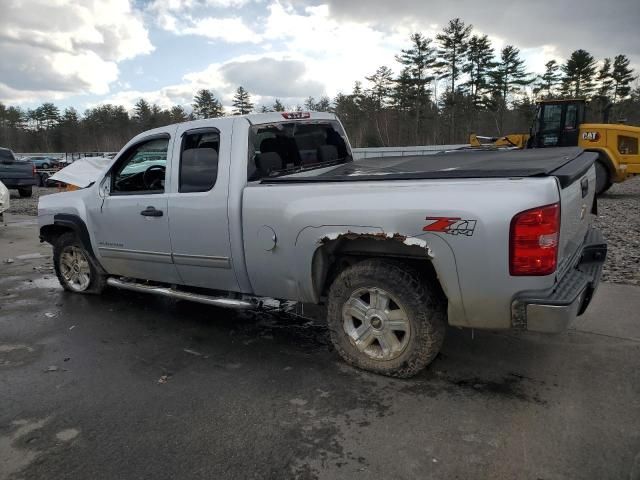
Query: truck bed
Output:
(566,164)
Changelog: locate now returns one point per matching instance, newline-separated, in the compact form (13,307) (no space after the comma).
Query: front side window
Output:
(199,161)
(287,147)
(142,169)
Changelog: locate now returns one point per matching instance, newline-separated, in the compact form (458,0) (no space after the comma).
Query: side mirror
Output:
(105,187)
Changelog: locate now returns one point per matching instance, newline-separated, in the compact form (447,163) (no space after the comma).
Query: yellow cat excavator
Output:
(560,123)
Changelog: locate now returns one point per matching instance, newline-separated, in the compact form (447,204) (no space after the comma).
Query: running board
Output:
(180,295)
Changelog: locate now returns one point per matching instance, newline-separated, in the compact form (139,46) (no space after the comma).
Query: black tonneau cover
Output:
(567,164)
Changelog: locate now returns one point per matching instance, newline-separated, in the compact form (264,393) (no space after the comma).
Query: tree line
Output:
(447,87)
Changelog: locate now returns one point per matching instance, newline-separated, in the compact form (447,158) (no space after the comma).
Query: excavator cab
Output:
(557,123)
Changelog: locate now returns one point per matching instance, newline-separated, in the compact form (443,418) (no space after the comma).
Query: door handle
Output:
(151,212)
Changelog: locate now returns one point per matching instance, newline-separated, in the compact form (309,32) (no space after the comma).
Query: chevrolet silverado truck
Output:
(16,174)
(233,211)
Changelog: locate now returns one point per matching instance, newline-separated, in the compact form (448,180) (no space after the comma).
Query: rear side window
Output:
(199,161)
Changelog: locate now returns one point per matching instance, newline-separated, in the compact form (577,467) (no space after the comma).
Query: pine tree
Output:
(479,62)
(403,91)
(622,76)
(507,79)
(178,114)
(418,62)
(382,84)
(50,115)
(206,105)
(278,106)
(324,104)
(242,102)
(454,41)
(605,82)
(310,104)
(549,81)
(141,114)
(509,75)
(579,72)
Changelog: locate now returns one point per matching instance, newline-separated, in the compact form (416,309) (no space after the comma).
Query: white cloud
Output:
(266,77)
(67,47)
(309,53)
(189,17)
(230,30)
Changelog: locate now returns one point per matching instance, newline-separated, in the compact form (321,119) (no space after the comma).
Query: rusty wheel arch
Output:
(335,253)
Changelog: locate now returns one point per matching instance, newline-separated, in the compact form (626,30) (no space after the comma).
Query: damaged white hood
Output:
(83,172)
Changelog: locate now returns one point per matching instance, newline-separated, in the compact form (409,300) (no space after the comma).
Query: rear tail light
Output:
(533,241)
(33,169)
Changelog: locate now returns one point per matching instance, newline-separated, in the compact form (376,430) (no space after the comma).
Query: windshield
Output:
(288,147)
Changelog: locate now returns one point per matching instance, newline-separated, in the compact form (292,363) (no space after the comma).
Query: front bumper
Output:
(552,312)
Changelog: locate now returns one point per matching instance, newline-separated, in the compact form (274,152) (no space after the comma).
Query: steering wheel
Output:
(152,176)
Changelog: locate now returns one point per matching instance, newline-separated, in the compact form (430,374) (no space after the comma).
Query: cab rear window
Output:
(280,148)
(6,156)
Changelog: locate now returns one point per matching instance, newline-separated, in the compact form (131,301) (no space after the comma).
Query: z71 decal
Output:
(450,226)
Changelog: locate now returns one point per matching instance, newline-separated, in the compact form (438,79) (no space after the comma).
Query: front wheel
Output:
(385,317)
(75,267)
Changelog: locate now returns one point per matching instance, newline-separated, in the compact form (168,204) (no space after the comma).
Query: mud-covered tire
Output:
(603,178)
(418,297)
(25,192)
(67,245)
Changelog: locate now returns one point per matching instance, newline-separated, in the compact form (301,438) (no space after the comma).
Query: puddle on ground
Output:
(13,355)
(47,282)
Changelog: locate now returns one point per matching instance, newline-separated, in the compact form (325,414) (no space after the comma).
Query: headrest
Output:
(327,153)
(268,161)
(269,145)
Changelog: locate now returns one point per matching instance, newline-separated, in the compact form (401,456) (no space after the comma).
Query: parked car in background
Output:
(14,174)
(4,201)
(41,161)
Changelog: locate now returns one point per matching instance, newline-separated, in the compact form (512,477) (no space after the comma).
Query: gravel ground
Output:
(619,221)
(27,206)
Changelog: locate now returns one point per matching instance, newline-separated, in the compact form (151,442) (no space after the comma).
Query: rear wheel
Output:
(25,192)
(385,317)
(603,179)
(74,266)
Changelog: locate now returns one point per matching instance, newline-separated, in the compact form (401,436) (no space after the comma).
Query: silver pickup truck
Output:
(232,211)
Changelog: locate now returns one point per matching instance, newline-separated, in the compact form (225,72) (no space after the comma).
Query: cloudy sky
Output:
(83,52)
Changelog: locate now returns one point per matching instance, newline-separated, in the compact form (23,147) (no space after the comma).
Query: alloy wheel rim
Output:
(75,269)
(376,323)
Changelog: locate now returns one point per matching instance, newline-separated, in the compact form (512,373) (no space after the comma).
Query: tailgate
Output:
(577,182)
(16,170)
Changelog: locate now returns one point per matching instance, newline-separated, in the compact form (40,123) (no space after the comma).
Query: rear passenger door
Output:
(199,226)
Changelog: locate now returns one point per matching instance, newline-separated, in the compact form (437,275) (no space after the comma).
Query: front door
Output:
(199,224)
(131,222)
